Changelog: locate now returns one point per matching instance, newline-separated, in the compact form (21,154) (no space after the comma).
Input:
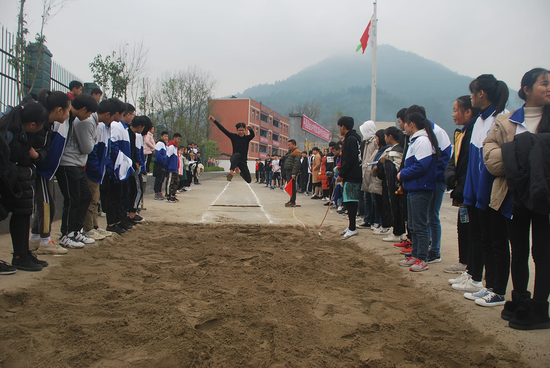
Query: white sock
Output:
(35,237)
(45,241)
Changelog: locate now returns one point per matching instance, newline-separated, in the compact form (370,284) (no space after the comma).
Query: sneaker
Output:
(104,232)
(392,238)
(79,236)
(433,258)
(271,188)
(34,244)
(460,278)
(456,268)
(137,218)
(25,263)
(33,258)
(6,268)
(69,242)
(293,205)
(491,300)
(468,285)
(51,248)
(158,197)
(365,225)
(348,234)
(407,250)
(344,231)
(419,266)
(404,244)
(478,294)
(125,225)
(230,176)
(407,262)
(116,229)
(375,226)
(171,200)
(382,231)
(93,234)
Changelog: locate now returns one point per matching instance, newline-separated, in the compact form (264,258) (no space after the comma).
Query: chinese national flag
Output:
(288,187)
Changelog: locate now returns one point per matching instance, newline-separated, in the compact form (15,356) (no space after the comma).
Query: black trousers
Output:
(159,173)
(519,227)
(475,244)
(19,231)
(135,185)
(496,251)
(236,161)
(289,176)
(111,193)
(463,231)
(384,208)
(73,184)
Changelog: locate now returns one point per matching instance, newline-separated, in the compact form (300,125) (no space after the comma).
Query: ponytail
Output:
(423,123)
(465,104)
(396,134)
(30,112)
(52,100)
(497,91)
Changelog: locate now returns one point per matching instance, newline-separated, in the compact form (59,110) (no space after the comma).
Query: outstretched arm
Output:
(251,132)
(221,127)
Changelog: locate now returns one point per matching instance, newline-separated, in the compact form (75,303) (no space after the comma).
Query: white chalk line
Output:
(206,214)
(259,204)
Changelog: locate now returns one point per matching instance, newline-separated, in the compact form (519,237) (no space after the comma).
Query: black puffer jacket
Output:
(350,168)
(18,197)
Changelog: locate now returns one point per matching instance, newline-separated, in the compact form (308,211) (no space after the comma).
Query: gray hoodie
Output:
(80,142)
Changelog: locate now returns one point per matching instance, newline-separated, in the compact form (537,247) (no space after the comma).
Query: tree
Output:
(181,103)
(311,109)
(134,58)
(333,128)
(108,74)
(211,149)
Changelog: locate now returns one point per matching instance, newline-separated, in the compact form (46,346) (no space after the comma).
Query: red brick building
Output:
(271,128)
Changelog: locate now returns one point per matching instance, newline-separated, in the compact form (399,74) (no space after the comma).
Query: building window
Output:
(264,117)
(275,123)
(275,151)
(263,133)
(275,137)
(263,149)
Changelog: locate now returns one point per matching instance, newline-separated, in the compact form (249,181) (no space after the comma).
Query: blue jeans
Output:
(418,205)
(268,178)
(433,218)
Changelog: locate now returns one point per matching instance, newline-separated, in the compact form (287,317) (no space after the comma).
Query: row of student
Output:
(95,151)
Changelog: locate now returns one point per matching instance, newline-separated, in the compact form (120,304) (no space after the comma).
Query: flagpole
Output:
(374,26)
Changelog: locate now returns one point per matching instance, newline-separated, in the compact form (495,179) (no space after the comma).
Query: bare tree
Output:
(135,60)
(311,109)
(181,102)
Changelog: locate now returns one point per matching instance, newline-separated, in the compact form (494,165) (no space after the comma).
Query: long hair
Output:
(497,91)
(423,123)
(529,79)
(30,112)
(397,135)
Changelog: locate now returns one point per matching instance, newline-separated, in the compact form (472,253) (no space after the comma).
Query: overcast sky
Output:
(247,42)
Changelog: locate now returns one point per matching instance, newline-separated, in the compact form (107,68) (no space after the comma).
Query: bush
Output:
(213,168)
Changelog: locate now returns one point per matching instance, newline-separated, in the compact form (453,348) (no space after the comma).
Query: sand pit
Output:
(180,295)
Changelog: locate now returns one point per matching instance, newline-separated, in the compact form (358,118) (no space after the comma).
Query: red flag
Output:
(288,187)
(365,37)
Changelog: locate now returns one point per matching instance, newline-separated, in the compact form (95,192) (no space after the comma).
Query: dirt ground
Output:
(229,277)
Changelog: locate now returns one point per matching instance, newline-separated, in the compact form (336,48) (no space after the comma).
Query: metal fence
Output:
(59,80)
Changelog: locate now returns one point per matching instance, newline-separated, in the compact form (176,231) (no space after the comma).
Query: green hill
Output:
(343,83)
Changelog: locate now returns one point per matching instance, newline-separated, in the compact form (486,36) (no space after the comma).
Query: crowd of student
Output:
(98,152)
(394,179)
(497,177)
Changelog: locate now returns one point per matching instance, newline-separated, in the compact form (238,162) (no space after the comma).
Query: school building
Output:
(270,128)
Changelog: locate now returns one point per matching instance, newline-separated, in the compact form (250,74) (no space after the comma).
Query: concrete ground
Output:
(236,202)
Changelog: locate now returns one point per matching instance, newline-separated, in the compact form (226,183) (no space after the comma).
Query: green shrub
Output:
(213,168)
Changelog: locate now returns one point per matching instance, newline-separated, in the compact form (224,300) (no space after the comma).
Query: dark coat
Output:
(455,175)
(350,169)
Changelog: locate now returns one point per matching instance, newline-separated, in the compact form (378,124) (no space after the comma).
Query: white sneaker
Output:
(343,232)
(455,268)
(468,285)
(375,226)
(478,294)
(407,262)
(93,234)
(105,233)
(51,248)
(69,242)
(394,238)
(463,276)
(80,237)
(349,234)
(382,231)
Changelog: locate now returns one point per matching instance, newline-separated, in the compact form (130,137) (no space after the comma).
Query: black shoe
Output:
(6,268)
(137,218)
(37,261)
(126,225)
(365,224)
(24,262)
(327,204)
(115,229)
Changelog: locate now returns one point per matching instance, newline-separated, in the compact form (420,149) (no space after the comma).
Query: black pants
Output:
(159,173)
(475,245)
(44,207)
(496,251)
(73,184)
(110,198)
(518,230)
(463,230)
(135,185)
(236,161)
(289,176)
(397,214)
(384,208)
(19,231)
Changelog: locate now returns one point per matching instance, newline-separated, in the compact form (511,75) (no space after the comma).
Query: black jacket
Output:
(455,175)
(527,163)
(350,167)
(240,144)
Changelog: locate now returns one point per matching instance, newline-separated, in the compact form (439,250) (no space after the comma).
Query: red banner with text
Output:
(310,126)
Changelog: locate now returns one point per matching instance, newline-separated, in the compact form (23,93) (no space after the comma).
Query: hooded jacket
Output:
(368,149)
(172,161)
(419,173)
(350,168)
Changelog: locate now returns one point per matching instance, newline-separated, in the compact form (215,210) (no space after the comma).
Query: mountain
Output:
(343,83)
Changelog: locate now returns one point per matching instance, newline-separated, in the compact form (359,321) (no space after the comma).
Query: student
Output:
(96,165)
(96,94)
(275,162)
(182,173)
(171,167)
(315,170)
(71,176)
(381,204)
(149,148)
(158,171)
(387,169)
(240,143)
(523,125)
(464,116)
(135,182)
(349,172)
(368,149)
(17,129)
(75,88)
(488,242)
(419,179)
(268,166)
(303,172)
(405,245)
(53,136)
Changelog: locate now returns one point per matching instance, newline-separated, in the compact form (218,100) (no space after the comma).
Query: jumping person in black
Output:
(240,143)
